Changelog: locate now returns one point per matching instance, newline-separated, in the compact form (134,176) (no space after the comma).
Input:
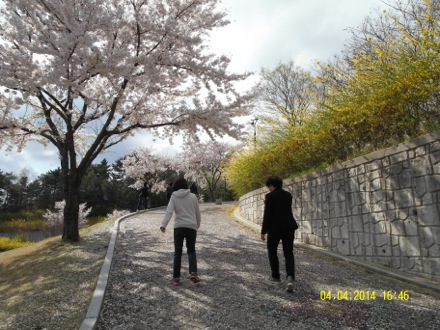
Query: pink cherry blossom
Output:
(81,76)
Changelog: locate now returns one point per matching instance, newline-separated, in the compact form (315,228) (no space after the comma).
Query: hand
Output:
(162,229)
(263,237)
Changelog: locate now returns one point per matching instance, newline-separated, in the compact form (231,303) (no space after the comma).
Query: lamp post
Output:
(254,124)
(224,190)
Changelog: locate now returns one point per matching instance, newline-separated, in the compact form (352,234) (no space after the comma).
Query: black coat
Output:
(278,216)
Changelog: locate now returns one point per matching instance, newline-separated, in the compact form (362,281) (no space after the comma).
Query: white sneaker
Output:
(275,280)
(289,283)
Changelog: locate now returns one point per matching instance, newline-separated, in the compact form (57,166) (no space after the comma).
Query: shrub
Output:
(10,243)
(55,219)
(117,213)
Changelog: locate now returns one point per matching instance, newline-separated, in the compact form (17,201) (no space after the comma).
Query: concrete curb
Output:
(92,315)
(427,284)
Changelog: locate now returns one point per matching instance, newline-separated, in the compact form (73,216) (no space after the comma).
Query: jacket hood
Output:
(181,193)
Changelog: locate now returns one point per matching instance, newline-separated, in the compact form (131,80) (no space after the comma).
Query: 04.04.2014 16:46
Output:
(363,295)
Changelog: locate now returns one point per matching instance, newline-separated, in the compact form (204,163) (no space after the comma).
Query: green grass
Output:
(95,220)
(49,284)
(26,215)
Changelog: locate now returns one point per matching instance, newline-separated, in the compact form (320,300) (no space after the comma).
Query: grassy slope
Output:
(49,285)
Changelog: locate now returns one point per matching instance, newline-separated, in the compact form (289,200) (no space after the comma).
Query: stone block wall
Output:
(383,207)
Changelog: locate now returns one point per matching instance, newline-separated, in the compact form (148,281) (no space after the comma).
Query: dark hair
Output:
(180,184)
(274,181)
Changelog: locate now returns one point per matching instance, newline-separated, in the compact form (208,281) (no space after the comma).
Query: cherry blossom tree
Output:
(55,219)
(146,167)
(205,160)
(82,76)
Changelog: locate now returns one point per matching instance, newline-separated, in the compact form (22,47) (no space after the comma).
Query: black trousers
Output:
(189,235)
(142,201)
(273,240)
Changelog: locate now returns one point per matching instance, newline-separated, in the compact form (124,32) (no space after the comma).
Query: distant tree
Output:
(94,189)
(286,94)
(51,188)
(84,75)
(6,182)
(146,167)
(122,196)
(204,162)
(17,186)
(385,88)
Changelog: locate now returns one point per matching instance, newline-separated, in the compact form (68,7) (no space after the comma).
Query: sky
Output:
(262,33)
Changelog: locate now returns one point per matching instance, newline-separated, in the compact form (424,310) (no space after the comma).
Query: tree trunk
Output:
(72,181)
(71,209)
(71,212)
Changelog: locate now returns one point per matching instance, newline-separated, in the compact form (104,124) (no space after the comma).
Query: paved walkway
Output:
(234,292)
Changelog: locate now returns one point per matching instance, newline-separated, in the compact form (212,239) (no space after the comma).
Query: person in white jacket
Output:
(186,223)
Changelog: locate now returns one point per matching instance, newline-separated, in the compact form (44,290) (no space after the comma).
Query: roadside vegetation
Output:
(16,226)
(15,242)
(383,89)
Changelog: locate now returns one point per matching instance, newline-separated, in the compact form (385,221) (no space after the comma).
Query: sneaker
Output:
(176,281)
(289,283)
(273,279)
(193,277)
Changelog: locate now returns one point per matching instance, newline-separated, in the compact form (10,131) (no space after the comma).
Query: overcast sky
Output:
(262,33)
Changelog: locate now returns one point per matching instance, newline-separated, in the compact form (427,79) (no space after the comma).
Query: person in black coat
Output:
(193,189)
(143,197)
(279,225)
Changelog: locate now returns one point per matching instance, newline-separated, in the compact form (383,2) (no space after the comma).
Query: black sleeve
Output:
(266,215)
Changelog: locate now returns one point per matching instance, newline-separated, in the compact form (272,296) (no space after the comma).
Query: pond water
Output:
(32,236)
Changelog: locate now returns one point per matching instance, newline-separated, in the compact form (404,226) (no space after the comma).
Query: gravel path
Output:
(234,292)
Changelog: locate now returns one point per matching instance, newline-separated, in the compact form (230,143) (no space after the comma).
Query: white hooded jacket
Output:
(186,207)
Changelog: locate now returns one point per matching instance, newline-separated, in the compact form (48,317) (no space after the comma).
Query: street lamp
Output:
(254,124)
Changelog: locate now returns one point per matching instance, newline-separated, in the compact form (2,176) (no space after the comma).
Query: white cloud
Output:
(35,158)
(140,140)
(264,33)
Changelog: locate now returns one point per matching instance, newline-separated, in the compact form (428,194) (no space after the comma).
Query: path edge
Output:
(95,306)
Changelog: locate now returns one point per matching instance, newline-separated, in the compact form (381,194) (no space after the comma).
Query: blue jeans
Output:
(273,239)
(189,235)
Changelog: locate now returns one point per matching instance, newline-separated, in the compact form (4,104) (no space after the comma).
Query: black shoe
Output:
(273,279)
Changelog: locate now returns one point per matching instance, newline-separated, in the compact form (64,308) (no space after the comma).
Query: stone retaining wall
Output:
(383,207)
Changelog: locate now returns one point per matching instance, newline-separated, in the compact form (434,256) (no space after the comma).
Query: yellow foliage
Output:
(7,243)
(377,98)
